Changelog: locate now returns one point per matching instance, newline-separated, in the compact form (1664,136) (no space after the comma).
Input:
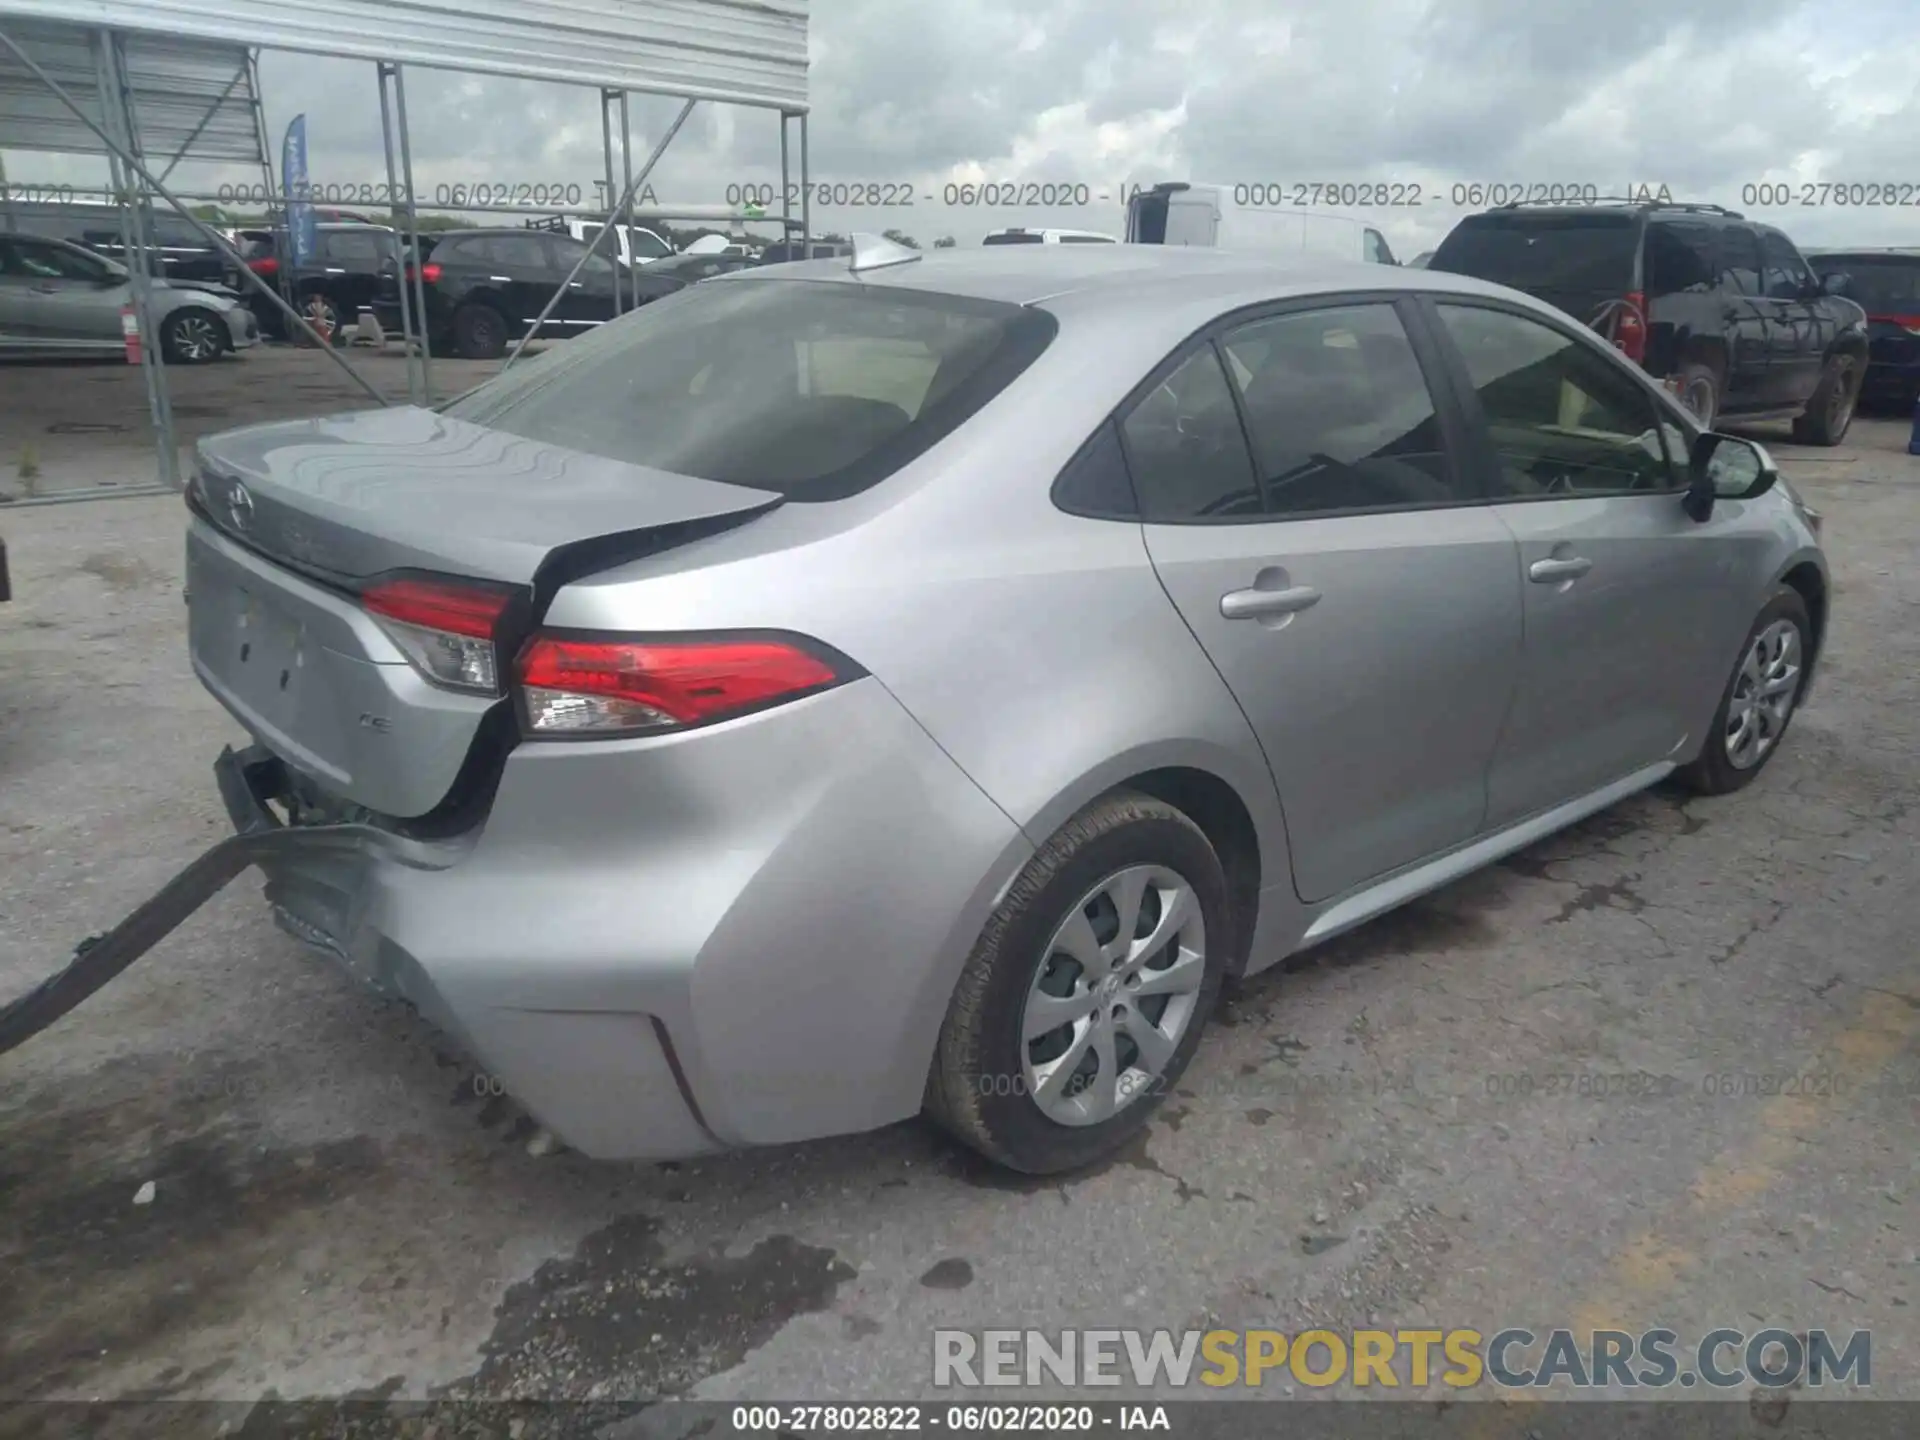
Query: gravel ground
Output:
(1374,1135)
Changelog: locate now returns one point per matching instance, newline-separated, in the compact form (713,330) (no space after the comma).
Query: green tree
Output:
(945,242)
(900,237)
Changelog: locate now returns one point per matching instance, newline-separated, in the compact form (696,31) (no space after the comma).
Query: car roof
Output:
(1136,278)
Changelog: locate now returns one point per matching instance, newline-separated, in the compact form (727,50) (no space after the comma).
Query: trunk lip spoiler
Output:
(261,837)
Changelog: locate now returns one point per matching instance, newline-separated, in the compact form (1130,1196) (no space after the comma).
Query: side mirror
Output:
(1726,468)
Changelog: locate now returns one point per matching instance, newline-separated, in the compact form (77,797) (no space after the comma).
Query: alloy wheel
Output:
(320,315)
(1764,694)
(195,338)
(1115,992)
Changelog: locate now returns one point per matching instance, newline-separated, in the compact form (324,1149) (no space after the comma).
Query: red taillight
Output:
(266,268)
(429,272)
(1630,327)
(600,687)
(446,628)
(1909,323)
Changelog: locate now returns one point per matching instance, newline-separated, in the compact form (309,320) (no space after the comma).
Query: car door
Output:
(1626,597)
(354,268)
(74,300)
(520,273)
(589,299)
(1742,293)
(19,324)
(1796,351)
(1304,507)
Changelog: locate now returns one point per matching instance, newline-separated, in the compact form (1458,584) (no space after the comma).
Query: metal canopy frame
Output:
(746,52)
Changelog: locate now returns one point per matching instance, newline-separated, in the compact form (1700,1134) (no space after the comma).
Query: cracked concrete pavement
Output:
(1415,1125)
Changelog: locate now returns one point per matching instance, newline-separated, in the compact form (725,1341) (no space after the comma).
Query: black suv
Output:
(1886,283)
(355,267)
(1722,309)
(485,287)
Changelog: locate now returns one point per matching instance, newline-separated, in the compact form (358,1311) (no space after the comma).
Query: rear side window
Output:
(817,391)
(359,248)
(1740,260)
(1543,252)
(1682,256)
(1186,450)
(1339,412)
(1021,239)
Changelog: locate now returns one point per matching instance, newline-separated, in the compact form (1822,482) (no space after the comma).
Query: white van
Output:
(1018,235)
(1178,213)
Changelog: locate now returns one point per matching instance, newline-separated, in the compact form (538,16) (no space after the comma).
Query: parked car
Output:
(355,267)
(180,252)
(1018,235)
(6,580)
(1180,213)
(644,665)
(62,299)
(780,252)
(1885,284)
(1723,308)
(485,288)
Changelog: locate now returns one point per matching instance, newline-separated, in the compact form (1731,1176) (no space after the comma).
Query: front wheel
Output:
(1084,999)
(1759,699)
(1830,411)
(193,337)
(479,333)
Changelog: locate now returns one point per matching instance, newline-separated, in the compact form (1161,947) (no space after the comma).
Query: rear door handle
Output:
(1253,604)
(1552,572)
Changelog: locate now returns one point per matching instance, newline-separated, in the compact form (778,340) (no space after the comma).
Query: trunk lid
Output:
(292,517)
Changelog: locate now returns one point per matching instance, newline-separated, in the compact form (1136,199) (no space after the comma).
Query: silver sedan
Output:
(918,682)
(62,299)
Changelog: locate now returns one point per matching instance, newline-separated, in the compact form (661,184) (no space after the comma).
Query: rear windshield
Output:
(814,390)
(1019,239)
(1880,284)
(1543,252)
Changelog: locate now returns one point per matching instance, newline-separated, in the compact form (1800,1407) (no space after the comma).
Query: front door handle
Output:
(1552,572)
(1255,604)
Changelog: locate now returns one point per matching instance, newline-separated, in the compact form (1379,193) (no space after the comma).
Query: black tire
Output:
(1712,771)
(1700,391)
(1830,412)
(479,333)
(194,337)
(976,1089)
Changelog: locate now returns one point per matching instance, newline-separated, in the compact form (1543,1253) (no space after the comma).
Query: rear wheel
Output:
(324,316)
(1700,391)
(193,337)
(1759,700)
(1084,999)
(1830,411)
(479,333)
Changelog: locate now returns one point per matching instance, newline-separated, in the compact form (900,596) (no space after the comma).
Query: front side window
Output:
(814,391)
(1186,450)
(1787,275)
(51,262)
(1564,420)
(1377,250)
(359,248)
(1339,412)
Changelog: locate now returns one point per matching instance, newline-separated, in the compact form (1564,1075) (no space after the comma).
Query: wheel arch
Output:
(1806,576)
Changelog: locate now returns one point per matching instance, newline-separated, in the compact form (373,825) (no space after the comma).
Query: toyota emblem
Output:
(240,506)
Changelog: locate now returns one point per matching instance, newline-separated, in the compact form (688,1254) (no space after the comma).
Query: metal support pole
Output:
(626,214)
(613,214)
(806,194)
(626,203)
(413,235)
(136,231)
(416,384)
(786,195)
(207,232)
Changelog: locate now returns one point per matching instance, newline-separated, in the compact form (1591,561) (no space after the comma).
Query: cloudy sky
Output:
(1704,97)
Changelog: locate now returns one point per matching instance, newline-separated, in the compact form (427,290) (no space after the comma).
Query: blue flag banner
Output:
(302,238)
